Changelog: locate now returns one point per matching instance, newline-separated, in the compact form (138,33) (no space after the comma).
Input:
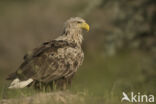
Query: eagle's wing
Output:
(52,60)
(45,46)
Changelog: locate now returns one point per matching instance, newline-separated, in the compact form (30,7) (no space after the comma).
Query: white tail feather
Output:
(16,83)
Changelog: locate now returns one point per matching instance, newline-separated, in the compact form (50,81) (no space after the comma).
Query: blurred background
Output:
(120,49)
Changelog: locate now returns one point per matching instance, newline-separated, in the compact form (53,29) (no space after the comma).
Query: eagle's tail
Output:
(16,83)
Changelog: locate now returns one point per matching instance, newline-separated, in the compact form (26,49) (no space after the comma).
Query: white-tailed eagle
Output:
(55,62)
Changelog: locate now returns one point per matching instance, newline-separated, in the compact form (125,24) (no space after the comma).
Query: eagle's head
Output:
(76,24)
(73,30)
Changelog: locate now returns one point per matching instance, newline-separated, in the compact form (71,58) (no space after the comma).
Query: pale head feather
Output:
(72,31)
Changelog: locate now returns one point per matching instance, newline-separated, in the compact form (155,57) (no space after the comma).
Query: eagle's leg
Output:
(69,80)
(46,87)
(36,85)
(61,83)
(51,86)
(39,85)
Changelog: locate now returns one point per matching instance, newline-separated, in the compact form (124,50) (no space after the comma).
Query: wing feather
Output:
(52,60)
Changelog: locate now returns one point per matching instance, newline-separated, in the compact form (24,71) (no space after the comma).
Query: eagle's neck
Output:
(74,36)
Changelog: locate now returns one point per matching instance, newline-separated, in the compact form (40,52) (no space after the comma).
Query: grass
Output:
(101,79)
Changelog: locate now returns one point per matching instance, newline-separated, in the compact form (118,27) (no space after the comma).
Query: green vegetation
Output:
(101,79)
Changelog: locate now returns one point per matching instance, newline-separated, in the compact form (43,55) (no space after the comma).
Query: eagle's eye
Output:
(79,22)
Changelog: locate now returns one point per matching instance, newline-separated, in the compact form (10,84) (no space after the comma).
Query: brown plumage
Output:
(54,63)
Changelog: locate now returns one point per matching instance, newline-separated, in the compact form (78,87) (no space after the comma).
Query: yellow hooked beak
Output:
(85,26)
